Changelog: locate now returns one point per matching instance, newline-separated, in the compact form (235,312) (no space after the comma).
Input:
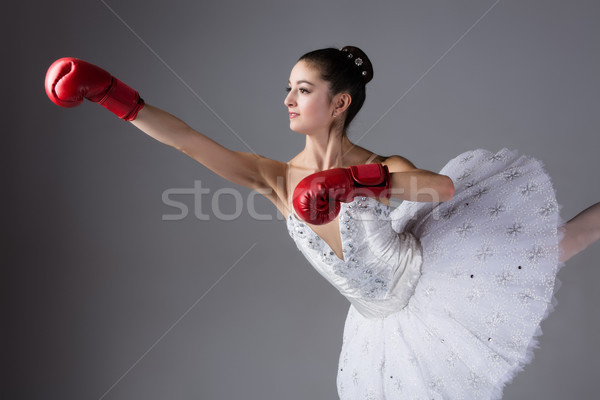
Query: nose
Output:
(289,100)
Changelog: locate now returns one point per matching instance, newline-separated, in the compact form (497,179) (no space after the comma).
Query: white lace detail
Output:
(380,267)
(486,281)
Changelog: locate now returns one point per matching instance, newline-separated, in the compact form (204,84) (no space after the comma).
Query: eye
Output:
(288,89)
(303,91)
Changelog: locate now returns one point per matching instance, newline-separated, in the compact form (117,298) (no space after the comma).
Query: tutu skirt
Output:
(490,259)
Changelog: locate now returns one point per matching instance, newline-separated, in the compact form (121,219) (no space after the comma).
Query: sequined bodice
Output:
(380,266)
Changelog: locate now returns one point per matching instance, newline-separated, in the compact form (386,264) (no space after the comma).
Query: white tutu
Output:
(487,277)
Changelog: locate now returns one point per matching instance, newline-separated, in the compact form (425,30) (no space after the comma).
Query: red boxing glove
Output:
(317,197)
(69,80)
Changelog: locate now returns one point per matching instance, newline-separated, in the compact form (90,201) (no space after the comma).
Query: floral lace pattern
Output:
(486,281)
(362,279)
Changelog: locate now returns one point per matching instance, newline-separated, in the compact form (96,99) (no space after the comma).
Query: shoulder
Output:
(398,164)
(394,163)
(271,170)
(273,182)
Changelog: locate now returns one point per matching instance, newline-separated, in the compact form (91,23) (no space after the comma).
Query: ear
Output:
(341,102)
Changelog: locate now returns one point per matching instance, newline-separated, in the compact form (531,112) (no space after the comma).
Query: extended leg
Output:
(580,232)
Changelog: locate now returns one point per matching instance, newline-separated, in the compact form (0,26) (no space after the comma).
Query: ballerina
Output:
(447,290)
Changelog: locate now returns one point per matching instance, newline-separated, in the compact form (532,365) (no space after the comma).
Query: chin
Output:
(298,130)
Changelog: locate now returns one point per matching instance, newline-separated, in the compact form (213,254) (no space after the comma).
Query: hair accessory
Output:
(358,61)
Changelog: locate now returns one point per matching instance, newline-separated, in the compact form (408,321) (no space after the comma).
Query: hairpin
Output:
(358,61)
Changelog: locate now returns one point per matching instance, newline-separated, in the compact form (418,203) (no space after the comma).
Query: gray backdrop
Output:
(104,299)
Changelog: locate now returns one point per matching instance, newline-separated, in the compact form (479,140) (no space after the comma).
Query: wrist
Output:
(371,180)
(122,100)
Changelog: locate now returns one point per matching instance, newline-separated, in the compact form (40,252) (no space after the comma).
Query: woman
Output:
(447,290)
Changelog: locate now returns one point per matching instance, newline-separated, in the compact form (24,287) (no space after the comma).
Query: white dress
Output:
(446,299)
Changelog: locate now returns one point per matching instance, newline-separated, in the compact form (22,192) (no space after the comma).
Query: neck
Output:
(326,151)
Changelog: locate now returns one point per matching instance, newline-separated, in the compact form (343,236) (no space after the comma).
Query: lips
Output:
(293,115)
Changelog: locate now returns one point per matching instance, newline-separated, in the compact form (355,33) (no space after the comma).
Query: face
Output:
(308,101)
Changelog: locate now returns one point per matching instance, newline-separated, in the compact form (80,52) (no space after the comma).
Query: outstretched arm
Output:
(69,81)
(246,169)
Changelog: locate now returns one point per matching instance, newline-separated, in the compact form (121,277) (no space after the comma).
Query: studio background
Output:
(102,298)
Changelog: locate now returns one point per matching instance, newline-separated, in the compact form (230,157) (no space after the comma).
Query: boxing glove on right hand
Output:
(69,80)
(317,197)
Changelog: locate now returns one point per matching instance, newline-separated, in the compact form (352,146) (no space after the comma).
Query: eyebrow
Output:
(303,81)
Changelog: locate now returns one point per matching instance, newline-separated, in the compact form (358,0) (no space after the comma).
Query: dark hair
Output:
(347,70)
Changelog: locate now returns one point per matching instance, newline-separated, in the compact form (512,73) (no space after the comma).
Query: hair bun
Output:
(362,62)
(346,70)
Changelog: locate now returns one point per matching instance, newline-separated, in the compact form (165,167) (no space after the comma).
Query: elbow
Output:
(447,189)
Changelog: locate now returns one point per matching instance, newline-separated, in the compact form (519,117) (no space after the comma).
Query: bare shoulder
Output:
(272,172)
(398,164)
(394,163)
(270,180)
(271,164)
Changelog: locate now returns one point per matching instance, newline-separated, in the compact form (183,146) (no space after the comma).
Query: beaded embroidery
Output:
(489,264)
(369,283)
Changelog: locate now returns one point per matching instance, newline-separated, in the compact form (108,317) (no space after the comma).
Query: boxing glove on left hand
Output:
(69,80)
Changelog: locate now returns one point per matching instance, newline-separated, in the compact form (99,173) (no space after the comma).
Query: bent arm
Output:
(243,168)
(410,183)
(421,185)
